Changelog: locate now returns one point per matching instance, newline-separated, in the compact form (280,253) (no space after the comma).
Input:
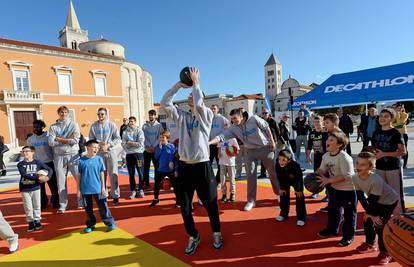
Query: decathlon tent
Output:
(385,84)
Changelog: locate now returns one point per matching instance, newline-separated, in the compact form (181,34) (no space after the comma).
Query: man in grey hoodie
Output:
(133,144)
(106,133)
(194,172)
(64,139)
(152,130)
(258,140)
(217,127)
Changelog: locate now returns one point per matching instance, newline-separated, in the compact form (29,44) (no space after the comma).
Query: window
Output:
(268,87)
(100,86)
(21,80)
(270,73)
(65,84)
(268,80)
(278,72)
(74,45)
(273,86)
(273,80)
(113,52)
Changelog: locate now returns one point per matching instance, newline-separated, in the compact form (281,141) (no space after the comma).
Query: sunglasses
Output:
(265,113)
(101,114)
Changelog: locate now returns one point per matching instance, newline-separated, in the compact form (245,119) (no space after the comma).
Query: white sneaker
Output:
(14,244)
(249,206)
(280,218)
(300,223)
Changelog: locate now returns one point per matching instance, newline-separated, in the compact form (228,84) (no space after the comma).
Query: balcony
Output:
(22,97)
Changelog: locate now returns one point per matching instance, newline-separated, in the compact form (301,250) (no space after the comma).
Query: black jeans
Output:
(405,157)
(52,183)
(135,161)
(106,215)
(348,201)
(371,230)
(214,155)
(198,177)
(148,157)
(157,184)
(285,205)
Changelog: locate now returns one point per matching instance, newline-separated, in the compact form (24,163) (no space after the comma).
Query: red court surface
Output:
(251,238)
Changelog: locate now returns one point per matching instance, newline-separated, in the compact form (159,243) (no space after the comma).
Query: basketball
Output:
(166,183)
(185,76)
(43,172)
(399,238)
(312,184)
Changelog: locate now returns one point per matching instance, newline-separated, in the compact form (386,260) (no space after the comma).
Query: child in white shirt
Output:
(227,161)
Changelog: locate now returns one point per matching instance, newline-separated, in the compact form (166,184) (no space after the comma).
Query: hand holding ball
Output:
(185,77)
(312,184)
(43,176)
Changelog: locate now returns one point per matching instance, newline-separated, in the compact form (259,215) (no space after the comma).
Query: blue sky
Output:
(231,40)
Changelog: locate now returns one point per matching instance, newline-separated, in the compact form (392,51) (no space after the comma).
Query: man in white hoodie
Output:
(194,171)
(64,139)
(106,133)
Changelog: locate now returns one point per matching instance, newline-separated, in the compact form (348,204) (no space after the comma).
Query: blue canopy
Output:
(384,84)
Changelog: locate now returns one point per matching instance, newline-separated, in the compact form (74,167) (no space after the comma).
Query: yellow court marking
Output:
(99,248)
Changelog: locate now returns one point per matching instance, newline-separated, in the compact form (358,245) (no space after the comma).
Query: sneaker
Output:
(249,206)
(192,245)
(345,242)
(325,199)
(60,211)
(154,203)
(14,245)
(366,248)
(384,258)
(178,206)
(313,196)
(89,229)
(232,198)
(38,225)
(115,201)
(218,240)
(324,209)
(141,193)
(224,198)
(280,218)
(300,223)
(133,194)
(31,227)
(111,227)
(326,233)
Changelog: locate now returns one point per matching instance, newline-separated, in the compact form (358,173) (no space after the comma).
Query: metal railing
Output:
(15,97)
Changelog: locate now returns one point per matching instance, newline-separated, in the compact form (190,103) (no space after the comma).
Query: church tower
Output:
(72,34)
(273,78)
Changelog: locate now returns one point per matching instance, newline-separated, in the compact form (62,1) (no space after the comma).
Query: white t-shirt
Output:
(339,165)
(225,159)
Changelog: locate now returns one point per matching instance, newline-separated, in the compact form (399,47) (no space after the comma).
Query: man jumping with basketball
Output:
(194,172)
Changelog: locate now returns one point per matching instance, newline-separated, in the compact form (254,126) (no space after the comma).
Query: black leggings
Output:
(198,177)
(159,176)
(371,230)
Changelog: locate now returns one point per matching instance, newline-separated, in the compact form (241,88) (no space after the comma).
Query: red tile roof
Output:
(247,96)
(53,48)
